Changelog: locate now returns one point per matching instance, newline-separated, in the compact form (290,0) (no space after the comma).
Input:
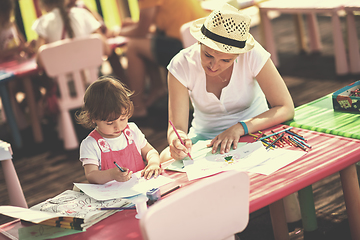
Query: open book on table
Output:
(70,209)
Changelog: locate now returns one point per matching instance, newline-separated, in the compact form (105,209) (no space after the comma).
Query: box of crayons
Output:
(347,98)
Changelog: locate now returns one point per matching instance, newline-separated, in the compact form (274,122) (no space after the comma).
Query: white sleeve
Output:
(89,151)
(257,58)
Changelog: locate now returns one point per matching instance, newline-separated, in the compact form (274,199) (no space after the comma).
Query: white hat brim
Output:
(195,30)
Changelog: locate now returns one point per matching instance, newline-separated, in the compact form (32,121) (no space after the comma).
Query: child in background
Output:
(107,108)
(60,23)
(12,42)
(13,47)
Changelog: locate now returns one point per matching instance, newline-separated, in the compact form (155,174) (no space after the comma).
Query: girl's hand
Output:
(224,140)
(178,151)
(151,170)
(120,176)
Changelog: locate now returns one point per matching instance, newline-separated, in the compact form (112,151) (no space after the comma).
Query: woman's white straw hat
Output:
(226,30)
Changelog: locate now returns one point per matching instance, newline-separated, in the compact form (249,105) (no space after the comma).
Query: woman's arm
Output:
(278,96)
(281,109)
(179,116)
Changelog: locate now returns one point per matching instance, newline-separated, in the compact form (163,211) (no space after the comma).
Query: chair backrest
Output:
(216,207)
(186,37)
(72,56)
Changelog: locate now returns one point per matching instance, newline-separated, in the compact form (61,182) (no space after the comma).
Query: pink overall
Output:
(128,157)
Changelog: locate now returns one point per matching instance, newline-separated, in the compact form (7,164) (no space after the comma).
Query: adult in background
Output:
(147,50)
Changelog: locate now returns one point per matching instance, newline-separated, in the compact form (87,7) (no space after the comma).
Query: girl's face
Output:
(112,129)
(215,62)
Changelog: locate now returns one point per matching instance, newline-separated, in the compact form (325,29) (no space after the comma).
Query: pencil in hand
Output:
(121,169)
(177,134)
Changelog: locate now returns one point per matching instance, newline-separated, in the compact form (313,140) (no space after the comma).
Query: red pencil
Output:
(180,138)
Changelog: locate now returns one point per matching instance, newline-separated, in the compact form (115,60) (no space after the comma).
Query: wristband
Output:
(246,131)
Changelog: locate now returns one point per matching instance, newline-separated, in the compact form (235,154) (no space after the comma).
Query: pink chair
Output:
(216,207)
(310,8)
(78,57)
(15,191)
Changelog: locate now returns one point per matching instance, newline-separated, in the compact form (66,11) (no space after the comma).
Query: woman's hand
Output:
(224,140)
(152,169)
(120,176)
(178,151)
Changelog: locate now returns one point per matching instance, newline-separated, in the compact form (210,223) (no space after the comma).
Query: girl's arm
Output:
(153,162)
(281,109)
(179,116)
(96,176)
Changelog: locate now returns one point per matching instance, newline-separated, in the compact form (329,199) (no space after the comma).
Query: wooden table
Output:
(310,8)
(20,69)
(329,154)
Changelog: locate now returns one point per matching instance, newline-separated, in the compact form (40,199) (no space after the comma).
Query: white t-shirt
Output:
(241,99)
(90,152)
(50,25)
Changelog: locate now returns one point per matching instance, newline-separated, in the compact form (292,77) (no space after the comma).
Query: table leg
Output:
(350,185)
(278,220)
(300,32)
(35,123)
(16,194)
(341,62)
(268,36)
(313,26)
(353,44)
(10,116)
(307,207)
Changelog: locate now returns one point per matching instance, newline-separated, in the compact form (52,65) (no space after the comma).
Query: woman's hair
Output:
(106,99)
(60,4)
(6,11)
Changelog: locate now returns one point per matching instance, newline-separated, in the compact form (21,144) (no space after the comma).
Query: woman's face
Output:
(215,62)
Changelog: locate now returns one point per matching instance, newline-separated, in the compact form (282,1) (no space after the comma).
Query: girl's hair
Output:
(106,99)
(60,4)
(6,11)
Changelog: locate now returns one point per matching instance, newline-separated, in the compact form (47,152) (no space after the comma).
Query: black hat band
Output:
(221,39)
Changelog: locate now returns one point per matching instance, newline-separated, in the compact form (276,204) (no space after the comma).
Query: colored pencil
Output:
(177,134)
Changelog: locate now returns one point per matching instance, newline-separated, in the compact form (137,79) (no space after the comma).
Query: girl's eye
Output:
(207,55)
(109,123)
(226,60)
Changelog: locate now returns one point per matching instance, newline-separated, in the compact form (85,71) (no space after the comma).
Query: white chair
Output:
(16,194)
(79,56)
(186,37)
(216,207)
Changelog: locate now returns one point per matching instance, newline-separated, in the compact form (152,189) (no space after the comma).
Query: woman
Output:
(230,80)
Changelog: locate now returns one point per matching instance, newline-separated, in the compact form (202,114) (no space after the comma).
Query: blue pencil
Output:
(121,169)
(276,133)
(116,208)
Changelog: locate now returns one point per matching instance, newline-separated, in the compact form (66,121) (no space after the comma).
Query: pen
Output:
(121,169)
(180,138)
(116,208)
(171,190)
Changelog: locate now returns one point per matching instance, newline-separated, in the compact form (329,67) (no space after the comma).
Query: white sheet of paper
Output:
(252,157)
(113,189)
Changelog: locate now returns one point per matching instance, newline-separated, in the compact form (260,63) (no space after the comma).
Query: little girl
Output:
(107,108)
